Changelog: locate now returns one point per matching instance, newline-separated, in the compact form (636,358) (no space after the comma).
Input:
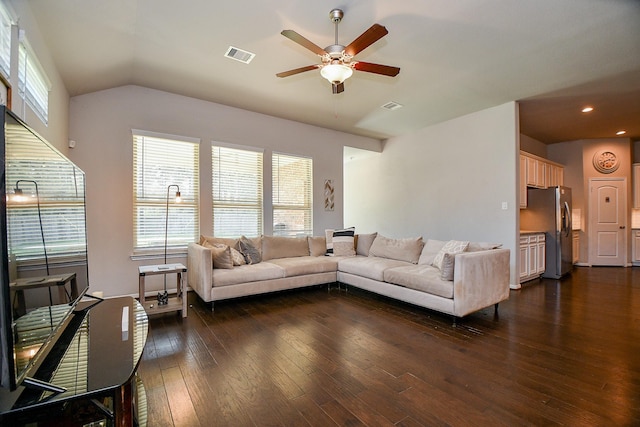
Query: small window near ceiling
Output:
(162,165)
(237,191)
(33,84)
(292,195)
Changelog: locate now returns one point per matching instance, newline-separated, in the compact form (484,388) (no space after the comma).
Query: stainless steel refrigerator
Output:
(549,210)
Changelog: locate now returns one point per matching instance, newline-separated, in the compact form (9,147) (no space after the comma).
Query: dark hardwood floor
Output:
(560,353)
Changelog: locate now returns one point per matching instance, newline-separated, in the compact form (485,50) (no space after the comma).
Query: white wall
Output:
(101,124)
(56,131)
(447,181)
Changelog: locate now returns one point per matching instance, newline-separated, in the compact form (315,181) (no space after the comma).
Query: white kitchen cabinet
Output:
(635,236)
(523,181)
(636,185)
(532,256)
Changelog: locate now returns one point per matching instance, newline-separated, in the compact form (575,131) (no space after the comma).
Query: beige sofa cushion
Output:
(399,249)
(430,250)
(299,266)
(364,242)
(247,273)
(220,255)
(370,267)
(274,247)
(420,277)
(231,242)
(317,245)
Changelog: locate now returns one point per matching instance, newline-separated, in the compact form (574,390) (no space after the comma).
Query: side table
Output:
(177,303)
(59,281)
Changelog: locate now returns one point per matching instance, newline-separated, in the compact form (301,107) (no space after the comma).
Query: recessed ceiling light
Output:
(621,132)
(587,109)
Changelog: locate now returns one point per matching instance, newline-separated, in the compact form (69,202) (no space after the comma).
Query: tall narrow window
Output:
(160,161)
(33,84)
(237,191)
(292,195)
(5,42)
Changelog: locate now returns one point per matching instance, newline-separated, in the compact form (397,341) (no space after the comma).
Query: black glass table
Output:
(95,361)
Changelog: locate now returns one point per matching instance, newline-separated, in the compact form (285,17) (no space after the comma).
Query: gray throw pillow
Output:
(250,252)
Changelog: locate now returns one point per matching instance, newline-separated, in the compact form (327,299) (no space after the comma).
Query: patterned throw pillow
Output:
(251,253)
(343,242)
(451,247)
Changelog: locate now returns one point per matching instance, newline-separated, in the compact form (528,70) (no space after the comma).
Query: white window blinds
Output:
(159,162)
(56,191)
(33,84)
(237,192)
(5,42)
(292,195)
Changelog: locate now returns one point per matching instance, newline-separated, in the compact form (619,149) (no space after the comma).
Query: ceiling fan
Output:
(337,60)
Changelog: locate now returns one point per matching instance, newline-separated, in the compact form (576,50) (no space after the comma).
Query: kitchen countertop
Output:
(530,232)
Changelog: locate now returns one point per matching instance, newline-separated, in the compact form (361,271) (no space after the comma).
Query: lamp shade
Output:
(336,73)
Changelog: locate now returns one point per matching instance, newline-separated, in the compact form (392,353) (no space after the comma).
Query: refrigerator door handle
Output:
(566,220)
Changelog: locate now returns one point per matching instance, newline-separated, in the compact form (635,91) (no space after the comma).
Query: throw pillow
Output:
(343,242)
(237,257)
(247,248)
(430,250)
(364,243)
(220,255)
(448,265)
(451,247)
(328,234)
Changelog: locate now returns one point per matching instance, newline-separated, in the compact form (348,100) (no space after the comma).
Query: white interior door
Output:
(607,221)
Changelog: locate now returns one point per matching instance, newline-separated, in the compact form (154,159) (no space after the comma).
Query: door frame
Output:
(591,238)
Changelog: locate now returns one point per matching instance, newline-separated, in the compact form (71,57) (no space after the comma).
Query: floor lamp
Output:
(163,297)
(18,195)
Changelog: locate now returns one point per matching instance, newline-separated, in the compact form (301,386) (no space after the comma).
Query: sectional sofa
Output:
(452,277)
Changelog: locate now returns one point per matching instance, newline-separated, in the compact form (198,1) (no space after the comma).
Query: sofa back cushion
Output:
(430,250)
(317,245)
(364,242)
(229,241)
(407,249)
(284,247)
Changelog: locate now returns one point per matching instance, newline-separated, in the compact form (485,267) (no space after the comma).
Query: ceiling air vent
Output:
(239,54)
(391,106)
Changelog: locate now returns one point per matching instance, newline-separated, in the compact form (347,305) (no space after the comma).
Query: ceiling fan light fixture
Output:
(336,73)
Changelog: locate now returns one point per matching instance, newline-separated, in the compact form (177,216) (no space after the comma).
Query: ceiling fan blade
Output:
(337,88)
(297,71)
(372,35)
(292,35)
(385,70)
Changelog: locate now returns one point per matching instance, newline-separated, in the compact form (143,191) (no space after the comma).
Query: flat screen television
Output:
(43,248)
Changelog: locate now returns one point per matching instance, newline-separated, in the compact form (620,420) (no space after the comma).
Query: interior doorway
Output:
(607,221)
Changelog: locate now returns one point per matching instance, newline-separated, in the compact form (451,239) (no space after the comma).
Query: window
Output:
(52,197)
(292,196)
(5,42)
(33,84)
(160,161)
(237,191)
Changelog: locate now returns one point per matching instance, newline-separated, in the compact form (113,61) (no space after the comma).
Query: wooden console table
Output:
(177,303)
(95,360)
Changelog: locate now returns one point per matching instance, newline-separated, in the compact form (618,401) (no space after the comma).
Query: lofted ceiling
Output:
(456,57)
